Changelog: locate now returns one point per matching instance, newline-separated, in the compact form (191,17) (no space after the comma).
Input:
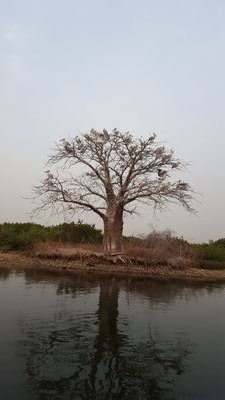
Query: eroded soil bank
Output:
(20,260)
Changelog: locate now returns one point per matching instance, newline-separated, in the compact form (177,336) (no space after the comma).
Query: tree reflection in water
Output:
(4,273)
(89,357)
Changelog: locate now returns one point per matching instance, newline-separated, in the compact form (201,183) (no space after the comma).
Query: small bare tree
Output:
(109,174)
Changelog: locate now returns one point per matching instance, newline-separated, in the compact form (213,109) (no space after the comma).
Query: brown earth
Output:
(82,261)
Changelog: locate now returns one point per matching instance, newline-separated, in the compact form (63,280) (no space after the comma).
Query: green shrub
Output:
(22,236)
(211,251)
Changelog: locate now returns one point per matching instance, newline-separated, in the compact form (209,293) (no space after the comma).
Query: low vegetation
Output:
(211,255)
(155,248)
(25,236)
(158,246)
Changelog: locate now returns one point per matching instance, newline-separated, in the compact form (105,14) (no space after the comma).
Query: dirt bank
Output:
(23,261)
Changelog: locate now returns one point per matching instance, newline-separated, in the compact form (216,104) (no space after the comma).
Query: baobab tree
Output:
(110,174)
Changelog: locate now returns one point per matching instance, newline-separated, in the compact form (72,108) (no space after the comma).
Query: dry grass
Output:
(65,247)
(154,248)
(159,247)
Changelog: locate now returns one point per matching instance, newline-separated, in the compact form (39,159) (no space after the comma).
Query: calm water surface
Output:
(89,337)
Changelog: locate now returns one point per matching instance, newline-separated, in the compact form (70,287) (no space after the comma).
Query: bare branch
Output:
(106,172)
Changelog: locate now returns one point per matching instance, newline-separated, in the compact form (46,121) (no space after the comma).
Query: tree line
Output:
(23,236)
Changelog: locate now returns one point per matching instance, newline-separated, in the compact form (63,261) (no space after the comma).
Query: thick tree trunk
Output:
(113,229)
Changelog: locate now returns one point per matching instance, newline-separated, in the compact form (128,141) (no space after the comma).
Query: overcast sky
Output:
(139,65)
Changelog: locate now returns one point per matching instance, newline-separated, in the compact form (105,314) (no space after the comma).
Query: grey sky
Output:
(144,66)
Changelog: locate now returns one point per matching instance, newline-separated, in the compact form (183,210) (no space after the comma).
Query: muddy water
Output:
(90,337)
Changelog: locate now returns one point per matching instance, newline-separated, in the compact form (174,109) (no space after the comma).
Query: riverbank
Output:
(21,261)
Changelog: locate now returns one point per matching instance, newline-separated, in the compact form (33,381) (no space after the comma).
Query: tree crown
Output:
(114,169)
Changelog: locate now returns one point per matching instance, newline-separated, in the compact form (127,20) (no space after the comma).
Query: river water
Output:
(88,336)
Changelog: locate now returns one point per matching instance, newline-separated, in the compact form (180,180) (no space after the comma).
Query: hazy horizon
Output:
(146,66)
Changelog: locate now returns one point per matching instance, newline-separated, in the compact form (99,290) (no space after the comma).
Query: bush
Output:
(158,247)
(23,236)
(210,251)
(77,233)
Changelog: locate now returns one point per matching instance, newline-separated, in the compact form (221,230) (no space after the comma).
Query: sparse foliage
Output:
(110,174)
